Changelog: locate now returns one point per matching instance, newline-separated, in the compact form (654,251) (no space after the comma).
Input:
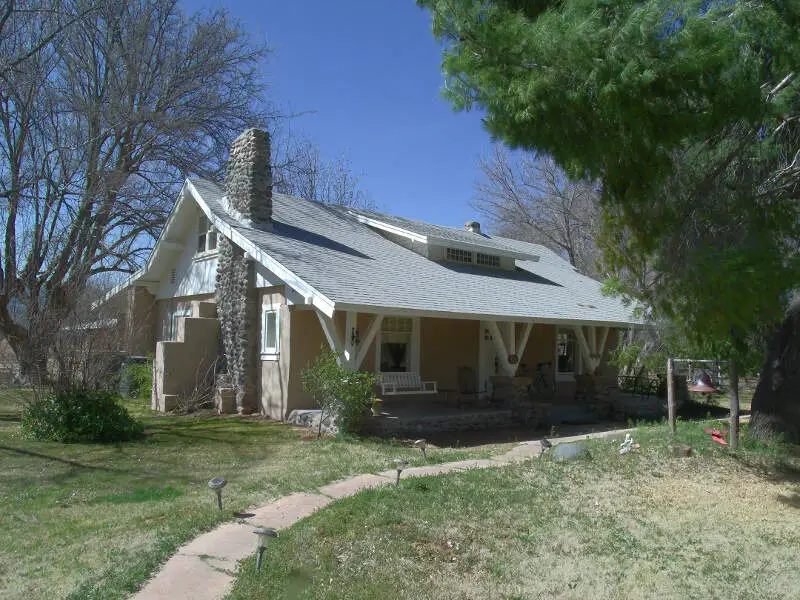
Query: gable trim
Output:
(311,295)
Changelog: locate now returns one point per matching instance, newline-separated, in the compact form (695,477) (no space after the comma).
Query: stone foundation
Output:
(416,426)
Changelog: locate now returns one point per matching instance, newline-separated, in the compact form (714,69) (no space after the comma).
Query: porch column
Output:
(332,335)
(350,351)
(509,345)
(591,349)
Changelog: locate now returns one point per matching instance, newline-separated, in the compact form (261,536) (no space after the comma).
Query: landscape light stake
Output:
(400,464)
(217,484)
(422,445)
(263,533)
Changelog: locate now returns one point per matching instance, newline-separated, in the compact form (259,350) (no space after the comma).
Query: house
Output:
(253,283)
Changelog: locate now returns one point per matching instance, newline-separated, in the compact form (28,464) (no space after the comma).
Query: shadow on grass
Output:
(793,500)
(65,461)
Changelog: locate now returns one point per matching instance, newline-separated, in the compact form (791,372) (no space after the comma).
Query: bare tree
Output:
(98,126)
(532,199)
(303,172)
(50,18)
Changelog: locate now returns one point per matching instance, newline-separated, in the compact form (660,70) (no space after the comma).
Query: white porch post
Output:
(334,341)
(592,349)
(502,350)
(366,341)
(583,346)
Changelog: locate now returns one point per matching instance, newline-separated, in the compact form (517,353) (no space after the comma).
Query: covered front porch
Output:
(475,373)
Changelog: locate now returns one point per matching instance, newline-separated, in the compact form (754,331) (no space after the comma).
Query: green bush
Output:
(140,379)
(79,416)
(344,394)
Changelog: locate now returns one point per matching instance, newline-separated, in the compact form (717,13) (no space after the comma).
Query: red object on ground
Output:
(718,436)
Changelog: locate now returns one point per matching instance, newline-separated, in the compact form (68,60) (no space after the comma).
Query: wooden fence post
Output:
(671,397)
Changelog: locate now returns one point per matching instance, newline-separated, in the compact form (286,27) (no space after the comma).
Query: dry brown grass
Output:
(633,527)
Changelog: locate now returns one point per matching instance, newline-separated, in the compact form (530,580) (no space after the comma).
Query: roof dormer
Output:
(445,244)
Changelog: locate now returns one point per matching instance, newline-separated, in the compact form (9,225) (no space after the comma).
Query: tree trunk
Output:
(733,438)
(776,402)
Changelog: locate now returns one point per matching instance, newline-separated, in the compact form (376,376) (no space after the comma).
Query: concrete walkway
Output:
(205,568)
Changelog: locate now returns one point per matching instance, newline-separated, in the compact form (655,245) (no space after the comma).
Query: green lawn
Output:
(92,521)
(644,525)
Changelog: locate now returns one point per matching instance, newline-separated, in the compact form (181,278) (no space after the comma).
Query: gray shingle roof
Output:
(352,264)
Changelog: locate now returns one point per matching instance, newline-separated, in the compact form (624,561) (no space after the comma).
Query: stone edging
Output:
(205,568)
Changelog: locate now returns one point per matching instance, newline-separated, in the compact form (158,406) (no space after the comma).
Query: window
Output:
(176,312)
(487,260)
(566,353)
(395,349)
(206,236)
(270,332)
(458,255)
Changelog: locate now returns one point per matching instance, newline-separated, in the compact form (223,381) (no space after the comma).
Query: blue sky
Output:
(370,71)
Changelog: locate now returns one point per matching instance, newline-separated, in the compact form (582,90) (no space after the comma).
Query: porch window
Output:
(395,349)
(270,334)
(566,352)
(176,312)
(206,236)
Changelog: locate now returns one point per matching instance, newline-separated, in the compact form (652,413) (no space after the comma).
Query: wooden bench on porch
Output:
(396,384)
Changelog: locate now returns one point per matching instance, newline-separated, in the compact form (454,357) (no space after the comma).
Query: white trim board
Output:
(311,295)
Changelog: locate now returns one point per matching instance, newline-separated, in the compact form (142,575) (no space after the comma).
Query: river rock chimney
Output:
(248,179)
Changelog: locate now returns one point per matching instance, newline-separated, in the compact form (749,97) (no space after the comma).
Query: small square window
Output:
(206,236)
(270,335)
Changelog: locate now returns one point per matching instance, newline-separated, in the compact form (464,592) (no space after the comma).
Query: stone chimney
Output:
(472,226)
(248,179)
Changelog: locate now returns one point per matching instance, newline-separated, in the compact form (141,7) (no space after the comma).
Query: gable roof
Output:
(326,252)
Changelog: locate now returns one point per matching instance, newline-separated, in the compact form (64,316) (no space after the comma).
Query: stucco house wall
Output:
(274,370)
(445,346)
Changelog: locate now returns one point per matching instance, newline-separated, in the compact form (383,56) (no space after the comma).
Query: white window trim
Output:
(414,350)
(270,353)
(208,252)
(566,377)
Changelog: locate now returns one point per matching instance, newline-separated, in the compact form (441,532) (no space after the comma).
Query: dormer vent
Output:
(472,226)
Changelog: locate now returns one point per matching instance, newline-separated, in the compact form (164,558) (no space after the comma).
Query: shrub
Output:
(139,377)
(340,393)
(77,415)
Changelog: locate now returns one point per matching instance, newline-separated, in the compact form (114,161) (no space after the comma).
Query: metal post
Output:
(671,396)
(219,498)
(259,557)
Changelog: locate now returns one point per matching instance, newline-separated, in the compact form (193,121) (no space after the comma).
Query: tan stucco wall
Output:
(307,340)
(445,346)
(274,375)
(141,321)
(163,308)
(186,366)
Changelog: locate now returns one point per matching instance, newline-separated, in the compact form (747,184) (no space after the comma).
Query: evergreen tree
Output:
(687,113)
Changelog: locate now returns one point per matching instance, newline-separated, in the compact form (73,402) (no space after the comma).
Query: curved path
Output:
(205,568)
